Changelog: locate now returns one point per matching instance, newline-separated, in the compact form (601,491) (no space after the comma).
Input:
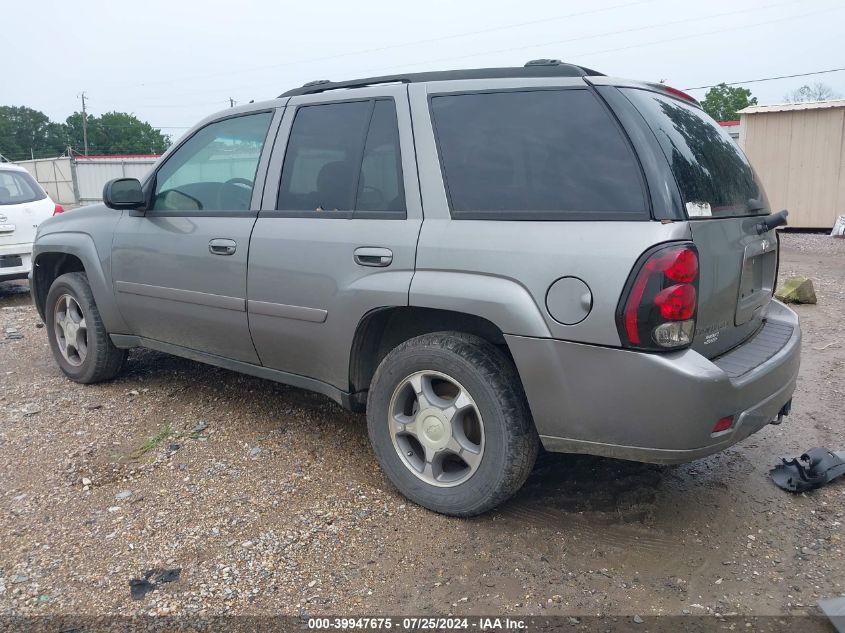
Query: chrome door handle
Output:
(373,256)
(220,246)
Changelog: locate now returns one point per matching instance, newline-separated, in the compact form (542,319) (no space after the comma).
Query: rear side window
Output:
(535,155)
(714,176)
(19,187)
(343,160)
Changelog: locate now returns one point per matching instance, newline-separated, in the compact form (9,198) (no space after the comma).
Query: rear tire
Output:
(81,346)
(450,424)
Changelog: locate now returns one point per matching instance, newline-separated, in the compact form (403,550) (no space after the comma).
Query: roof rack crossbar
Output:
(536,68)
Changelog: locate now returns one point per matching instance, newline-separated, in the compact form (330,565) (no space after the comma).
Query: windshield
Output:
(18,187)
(713,174)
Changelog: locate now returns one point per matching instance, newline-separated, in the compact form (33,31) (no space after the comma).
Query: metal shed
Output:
(798,149)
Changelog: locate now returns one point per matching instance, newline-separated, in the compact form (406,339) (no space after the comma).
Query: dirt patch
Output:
(269,501)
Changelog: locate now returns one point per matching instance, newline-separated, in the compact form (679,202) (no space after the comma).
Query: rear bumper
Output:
(657,408)
(24,251)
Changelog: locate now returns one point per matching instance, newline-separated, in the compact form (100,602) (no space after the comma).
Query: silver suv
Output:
(486,260)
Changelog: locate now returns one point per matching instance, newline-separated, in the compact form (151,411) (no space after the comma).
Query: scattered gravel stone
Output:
(812,243)
(123,495)
(321,510)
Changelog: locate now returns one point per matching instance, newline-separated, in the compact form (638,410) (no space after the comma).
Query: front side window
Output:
(19,187)
(535,155)
(215,169)
(343,160)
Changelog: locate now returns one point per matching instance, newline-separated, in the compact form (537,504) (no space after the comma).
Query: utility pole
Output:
(84,125)
(232,102)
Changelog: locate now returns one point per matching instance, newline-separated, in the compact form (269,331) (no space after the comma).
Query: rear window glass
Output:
(535,155)
(18,187)
(714,176)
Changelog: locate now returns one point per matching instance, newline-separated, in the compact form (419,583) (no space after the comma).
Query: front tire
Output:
(81,346)
(449,423)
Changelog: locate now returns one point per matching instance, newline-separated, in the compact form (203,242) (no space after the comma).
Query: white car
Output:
(23,206)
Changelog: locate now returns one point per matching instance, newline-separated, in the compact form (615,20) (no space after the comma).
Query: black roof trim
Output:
(551,68)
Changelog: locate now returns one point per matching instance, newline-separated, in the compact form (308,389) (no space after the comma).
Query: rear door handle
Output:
(221,246)
(373,256)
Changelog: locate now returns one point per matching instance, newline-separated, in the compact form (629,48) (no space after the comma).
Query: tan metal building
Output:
(798,149)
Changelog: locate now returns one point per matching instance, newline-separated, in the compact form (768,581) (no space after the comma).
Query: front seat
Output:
(336,186)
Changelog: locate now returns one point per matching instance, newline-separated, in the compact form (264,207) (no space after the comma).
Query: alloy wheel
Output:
(436,428)
(71,330)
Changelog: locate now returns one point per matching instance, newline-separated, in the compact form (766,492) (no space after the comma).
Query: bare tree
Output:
(816,92)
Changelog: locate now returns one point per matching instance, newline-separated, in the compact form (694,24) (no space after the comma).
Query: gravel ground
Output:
(268,500)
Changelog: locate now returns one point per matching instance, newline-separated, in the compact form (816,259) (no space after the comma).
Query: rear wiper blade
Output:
(772,222)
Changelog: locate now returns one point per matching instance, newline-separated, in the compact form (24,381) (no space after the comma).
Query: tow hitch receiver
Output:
(784,410)
(813,469)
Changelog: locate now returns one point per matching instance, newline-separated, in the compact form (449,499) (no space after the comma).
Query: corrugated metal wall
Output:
(800,157)
(80,180)
(93,174)
(55,175)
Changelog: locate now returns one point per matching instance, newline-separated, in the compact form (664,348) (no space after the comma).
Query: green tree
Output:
(722,102)
(25,132)
(116,133)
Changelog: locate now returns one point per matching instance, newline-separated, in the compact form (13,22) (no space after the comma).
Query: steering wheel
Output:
(230,195)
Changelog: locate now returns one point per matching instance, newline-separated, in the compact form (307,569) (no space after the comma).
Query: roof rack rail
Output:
(543,62)
(534,68)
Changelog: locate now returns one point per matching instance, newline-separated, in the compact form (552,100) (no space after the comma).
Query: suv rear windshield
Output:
(714,176)
(535,155)
(17,187)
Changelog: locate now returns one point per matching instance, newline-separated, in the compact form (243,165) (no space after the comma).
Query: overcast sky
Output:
(172,62)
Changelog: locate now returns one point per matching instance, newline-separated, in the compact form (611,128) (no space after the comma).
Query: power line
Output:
(754,81)
(732,83)
(404,44)
(532,46)
(572,56)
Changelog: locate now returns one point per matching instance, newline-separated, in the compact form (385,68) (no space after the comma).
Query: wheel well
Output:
(382,330)
(47,268)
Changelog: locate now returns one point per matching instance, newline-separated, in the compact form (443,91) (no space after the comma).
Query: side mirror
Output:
(123,193)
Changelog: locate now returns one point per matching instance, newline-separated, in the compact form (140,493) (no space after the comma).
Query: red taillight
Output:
(681,94)
(676,93)
(676,303)
(58,209)
(684,266)
(659,310)
(724,424)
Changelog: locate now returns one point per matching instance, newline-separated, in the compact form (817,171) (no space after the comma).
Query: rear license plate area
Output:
(757,280)
(10,261)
